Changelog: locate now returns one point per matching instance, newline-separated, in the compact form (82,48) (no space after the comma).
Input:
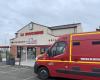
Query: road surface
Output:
(8,72)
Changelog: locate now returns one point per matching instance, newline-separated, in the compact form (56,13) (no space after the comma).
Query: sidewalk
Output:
(26,63)
(23,63)
(8,72)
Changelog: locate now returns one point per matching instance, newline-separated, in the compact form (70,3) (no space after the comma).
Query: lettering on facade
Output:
(33,33)
(32,41)
(29,41)
(18,41)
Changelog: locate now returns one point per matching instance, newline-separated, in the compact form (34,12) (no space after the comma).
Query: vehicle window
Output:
(58,48)
(76,43)
(53,50)
(96,42)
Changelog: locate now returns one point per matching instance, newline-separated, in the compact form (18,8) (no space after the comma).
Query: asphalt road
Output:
(8,72)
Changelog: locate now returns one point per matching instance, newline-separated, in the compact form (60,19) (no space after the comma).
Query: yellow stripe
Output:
(85,34)
(87,62)
(70,48)
(69,61)
(52,61)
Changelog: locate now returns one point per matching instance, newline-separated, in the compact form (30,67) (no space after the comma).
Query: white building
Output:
(33,39)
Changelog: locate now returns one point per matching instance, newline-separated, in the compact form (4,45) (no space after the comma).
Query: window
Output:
(16,34)
(76,43)
(30,26)
(96,42)
(58,48)
(19,51)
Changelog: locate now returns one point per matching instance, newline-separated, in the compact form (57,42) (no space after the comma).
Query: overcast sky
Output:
(14,14)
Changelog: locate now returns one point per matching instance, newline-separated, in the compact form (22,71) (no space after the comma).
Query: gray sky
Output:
(14,14)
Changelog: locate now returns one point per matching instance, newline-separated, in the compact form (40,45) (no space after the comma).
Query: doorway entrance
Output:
(21,53)
(31,53)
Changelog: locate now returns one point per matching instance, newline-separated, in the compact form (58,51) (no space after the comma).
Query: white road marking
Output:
(5,66)
(13,70)
(7,71)
(28,78)
(18,69)
(21,68)
(3,72)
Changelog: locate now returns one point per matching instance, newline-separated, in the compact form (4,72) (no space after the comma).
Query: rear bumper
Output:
(36,68)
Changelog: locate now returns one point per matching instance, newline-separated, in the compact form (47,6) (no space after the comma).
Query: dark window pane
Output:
(58,48)
(76,43)
(61,47)
(96,42)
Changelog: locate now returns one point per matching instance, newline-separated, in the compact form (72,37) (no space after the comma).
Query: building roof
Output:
(28,24)
(65,26)
(55,27)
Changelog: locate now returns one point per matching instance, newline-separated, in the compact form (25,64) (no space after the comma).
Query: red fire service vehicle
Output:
(75,56)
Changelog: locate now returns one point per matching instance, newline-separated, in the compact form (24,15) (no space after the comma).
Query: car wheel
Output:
(43,73)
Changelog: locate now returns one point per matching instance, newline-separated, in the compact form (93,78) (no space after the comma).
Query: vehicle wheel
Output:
(43,73)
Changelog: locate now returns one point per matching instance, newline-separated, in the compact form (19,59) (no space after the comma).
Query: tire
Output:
(43,73)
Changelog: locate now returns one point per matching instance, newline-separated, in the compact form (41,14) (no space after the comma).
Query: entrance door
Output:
(31,53)
(21,53)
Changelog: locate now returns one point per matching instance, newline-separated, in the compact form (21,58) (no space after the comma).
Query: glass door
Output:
(21,53)
(31,53)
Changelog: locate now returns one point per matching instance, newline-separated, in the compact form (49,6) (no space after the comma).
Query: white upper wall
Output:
(63,31)
(67,29)
(35,27)
(38,39)
(79,29)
